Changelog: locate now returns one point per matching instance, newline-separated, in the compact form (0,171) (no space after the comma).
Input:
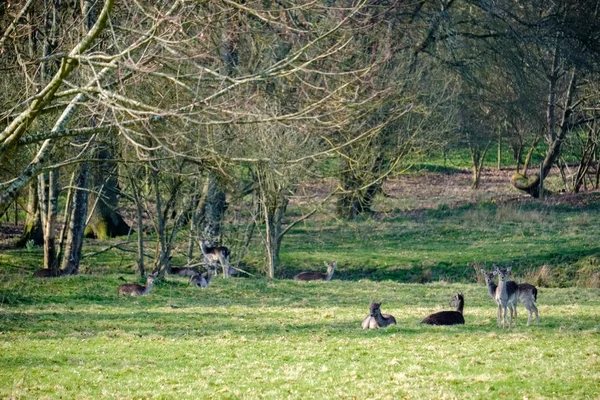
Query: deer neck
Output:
(147,287)
(329,274)
(501,292)
(460,306)
(492,288)
(381,320)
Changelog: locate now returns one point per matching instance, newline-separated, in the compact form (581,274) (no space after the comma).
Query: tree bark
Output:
(49,211)
(33,224)
(106,222)
(79,207)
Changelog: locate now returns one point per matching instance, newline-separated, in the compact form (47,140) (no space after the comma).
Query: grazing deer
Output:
(48,273)
(448,317)
(526,294)
(315,276)
(203,280)
(212,254)
(133,289)
(184,271)
(376,319)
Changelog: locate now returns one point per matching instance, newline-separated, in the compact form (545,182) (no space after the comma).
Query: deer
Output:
(203,280)
(134,289)
(448,317)
(526,294)
(376,319)
(184,271)
(48,273)
(212,254)
(505,296)
(316,276)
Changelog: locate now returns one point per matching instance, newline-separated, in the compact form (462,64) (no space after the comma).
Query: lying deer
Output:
(376,319)
(133,289)
(216,253)
(448,317)
(526,294)
(47,273)
(315,276)
(184,271)
(203,280)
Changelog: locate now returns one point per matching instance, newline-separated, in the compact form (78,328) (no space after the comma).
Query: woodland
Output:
(163,123)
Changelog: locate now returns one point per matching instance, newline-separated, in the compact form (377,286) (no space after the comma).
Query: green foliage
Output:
(73,337)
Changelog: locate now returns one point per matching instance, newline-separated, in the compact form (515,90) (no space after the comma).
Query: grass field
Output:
(249,338)
(74,337)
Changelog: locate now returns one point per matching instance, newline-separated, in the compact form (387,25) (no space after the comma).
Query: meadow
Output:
(251,338)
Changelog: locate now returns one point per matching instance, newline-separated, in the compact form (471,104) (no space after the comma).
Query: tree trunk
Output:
(49,202)
(79,208)
(33,223)
(358,193)
(106,222)
(214,210)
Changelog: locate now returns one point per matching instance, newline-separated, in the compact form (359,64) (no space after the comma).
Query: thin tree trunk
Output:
(51,208)
(33,223)
(78,217)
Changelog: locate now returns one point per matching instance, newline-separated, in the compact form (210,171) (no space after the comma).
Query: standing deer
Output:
(526,294)
(376,319)
(448,317)
(133,289)
(505,296)
(212,254)
(316,276)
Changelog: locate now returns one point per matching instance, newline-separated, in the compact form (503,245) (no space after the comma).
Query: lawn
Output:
(73,337)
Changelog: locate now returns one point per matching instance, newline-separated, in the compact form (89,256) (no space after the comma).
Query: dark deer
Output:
(315,276)
(376,319)
(184,271)
(133,289)
(48,273)
(203,280)
(212,254)
(448,317)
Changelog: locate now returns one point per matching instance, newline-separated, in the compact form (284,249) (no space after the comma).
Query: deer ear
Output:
(335,263)
(507,269)
(482,270)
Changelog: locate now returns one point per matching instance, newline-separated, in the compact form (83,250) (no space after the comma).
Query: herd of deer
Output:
(506,293)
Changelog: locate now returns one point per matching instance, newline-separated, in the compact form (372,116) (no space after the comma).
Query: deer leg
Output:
(499,316)
(225,265)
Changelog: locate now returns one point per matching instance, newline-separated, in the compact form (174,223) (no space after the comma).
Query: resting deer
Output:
(376,319)
(216,253)
(203,280)
(315,276)
(448,317)
(184,271)
(526,294)
(133,289)
(48,273)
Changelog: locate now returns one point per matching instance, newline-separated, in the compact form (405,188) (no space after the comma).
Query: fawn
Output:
(184,271)
(448,317)
(133,289)
(315,276)
(376,319)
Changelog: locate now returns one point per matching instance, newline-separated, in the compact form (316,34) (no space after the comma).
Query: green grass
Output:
(73,337)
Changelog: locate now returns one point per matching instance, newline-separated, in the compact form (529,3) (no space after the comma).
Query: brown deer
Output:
(48,273)
(505,296)
(315,276)
(212,254)
(133,289)
(376,319)
(448,317)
